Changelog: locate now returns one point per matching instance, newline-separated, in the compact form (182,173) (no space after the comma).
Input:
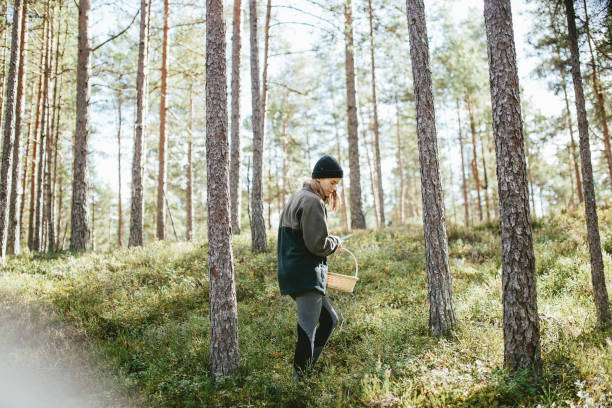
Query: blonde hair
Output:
(332,200)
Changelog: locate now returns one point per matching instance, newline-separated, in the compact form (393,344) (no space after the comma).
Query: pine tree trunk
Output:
(48,200)
(400,166)
(163,142)
(345,214)
(57,115)
(600,293)
(357,217)
(573,144)
(189,232)
(26,161)
(235,190)
(13,243)
(3,72)
(264,82)
(520,308)
(258,226)
(377,163)
(37,141)
(59,243)
(79,235)
(224,350)
(485,186)
(530,185)
(466,203)
(8,131)
(441,307)
(474,163)
(372,181)
(601,105)
(137,194)
(119,199)
(571,177)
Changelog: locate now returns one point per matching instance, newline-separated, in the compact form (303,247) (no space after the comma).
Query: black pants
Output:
(313,308)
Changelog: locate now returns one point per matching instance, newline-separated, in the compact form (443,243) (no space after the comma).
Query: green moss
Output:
(145,312)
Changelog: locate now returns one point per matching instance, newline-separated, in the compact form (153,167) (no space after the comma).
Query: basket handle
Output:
(355,259)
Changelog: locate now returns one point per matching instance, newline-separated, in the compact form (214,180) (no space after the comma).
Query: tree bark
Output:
(59,244)
(37,140)
(58,111)
(79,235)
(377,163)
(13,243)
(48,200)
(441,307)
(600,293)
(119,199)
(474,164)
(573,144)
(26,161)
(357,217)
(137,194)
(189,232)
(235,190)
(163,142)
(8,131)
(520,308)
(601,105)
(224,350)
(264,82)
(466,203)
(485,186)
(400,166)
(258,226)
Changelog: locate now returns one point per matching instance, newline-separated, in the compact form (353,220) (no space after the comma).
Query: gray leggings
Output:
(313,308)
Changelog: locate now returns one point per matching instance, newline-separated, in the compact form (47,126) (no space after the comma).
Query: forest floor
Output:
(45,363)
(142,314)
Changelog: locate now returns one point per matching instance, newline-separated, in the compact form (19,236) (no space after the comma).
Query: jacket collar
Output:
(306,186)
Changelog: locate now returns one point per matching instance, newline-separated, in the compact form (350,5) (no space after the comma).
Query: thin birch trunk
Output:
(441,306)
(519,299)
(600,293)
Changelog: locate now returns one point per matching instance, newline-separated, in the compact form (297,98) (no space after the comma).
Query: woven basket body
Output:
(343,283)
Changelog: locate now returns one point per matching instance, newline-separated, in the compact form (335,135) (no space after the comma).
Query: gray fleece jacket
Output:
(304,244)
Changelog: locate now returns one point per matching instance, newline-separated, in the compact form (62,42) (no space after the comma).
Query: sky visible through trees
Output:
(306,107)
(296,28)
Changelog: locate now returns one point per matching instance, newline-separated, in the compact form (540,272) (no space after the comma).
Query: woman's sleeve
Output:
(314,229)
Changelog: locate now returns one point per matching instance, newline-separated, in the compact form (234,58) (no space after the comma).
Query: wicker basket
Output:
(343,283)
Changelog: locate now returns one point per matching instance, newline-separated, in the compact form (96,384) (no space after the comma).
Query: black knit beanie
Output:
(327,167)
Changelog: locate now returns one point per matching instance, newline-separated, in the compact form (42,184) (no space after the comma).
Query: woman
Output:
(303,245)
